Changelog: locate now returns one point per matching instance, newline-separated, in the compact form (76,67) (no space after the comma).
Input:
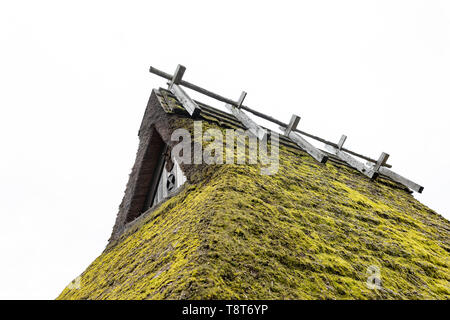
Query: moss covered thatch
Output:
(309,232)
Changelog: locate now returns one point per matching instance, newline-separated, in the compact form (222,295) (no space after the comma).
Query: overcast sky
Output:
(74,84)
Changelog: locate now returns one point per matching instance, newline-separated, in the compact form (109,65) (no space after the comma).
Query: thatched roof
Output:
(310,231)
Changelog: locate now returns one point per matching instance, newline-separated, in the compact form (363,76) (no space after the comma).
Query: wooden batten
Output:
(351,161)
(402,180)
(191,107)
(373,172)
(301,142)
(361,167)
(308,147)
(252,126)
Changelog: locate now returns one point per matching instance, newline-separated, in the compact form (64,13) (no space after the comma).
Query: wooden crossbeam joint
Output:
(174,86)
(292,125)
(302,143)
(252,126)
(381,162)
(342,141)
(177,76)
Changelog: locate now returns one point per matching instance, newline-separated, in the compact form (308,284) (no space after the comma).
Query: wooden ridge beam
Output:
(290,130)
(256,113)
(218,97)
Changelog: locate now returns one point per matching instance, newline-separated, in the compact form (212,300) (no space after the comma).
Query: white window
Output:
(169,181)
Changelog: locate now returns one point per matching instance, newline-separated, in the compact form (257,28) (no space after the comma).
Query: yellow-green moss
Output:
(308,232)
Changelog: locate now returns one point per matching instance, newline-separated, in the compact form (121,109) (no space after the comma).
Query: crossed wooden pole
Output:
(290,130)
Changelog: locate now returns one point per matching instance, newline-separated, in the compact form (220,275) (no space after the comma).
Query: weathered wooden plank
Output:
(400,179)
(185,100)
(309,148)
(372,173)
(247,122)
(301,142)
(361,167)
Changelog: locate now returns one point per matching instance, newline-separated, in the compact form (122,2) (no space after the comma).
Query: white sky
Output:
(74,84)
